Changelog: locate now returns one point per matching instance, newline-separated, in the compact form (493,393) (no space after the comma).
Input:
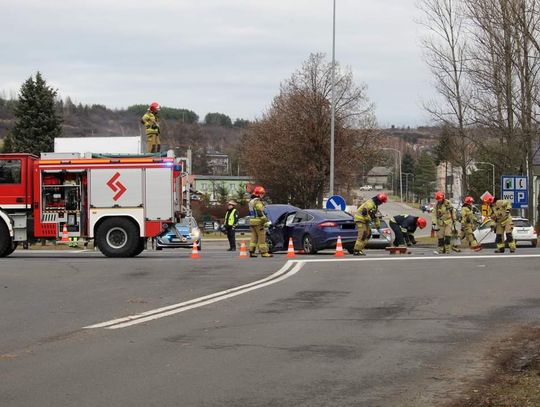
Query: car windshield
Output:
(189,222)
(384,225)
(521,223)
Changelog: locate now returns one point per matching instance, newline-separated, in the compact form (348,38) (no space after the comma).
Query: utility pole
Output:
(333,113)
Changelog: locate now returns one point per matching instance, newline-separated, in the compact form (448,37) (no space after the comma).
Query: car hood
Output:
(274,211)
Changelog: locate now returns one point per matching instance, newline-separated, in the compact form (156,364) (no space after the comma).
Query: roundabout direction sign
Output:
(336,202)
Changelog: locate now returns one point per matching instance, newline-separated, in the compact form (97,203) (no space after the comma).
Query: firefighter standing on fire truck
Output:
(469,223)
(367,213)
(258,222)
(150,121)
(443,222)
(502,223)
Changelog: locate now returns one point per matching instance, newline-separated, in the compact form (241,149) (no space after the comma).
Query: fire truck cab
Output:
(118,202)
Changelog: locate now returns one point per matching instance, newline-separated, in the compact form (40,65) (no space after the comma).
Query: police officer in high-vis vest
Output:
(367,213)
(502,223)
(151,126)
(469,223)
(229,223)
(443,222)
(258,222)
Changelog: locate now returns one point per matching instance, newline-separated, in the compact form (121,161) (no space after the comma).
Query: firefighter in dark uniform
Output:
(404,227)
(367,212)
(502,223)
(258,222)
(443,222)
(151,127)
(229,223)
(469,223)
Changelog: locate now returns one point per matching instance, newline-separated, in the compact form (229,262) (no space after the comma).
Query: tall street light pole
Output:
(400,175)
(333,113)
(493,174)
(407,183)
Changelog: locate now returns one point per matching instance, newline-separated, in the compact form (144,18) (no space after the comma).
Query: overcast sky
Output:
(226,56)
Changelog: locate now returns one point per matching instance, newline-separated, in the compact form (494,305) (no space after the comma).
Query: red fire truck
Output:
(117,202)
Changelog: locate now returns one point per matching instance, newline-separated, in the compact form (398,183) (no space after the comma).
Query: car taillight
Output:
(328,225)
(386,232)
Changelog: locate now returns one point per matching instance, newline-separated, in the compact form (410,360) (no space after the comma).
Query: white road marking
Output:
(283,273)
(408,257)
(278,276)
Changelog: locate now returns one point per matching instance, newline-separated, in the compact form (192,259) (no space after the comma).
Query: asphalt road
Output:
(82,330)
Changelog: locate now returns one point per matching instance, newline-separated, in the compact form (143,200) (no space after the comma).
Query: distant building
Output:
(379,176)
(449,181)
(209,184)
(217,163)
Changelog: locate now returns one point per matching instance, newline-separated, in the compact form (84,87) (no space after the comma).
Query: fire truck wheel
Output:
(140,247)
(118,237)
(6,245)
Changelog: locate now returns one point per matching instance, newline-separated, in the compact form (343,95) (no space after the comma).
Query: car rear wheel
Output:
(308,245)
(534,242)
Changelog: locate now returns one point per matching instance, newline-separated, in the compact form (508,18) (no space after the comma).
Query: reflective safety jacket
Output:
(443,214)
(367,212)
(408,225)
(231,217)
(501,211)
(468,219)
(151,123)
(256,212)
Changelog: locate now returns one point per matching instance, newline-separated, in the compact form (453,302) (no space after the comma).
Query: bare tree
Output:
(288,149)
(445,53)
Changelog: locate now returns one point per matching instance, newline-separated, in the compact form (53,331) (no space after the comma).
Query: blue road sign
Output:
(336,202)
(514,189)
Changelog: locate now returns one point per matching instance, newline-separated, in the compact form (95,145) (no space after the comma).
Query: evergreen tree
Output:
(37,122)
(8,144)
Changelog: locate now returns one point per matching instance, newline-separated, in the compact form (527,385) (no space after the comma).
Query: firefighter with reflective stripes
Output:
(258,222)
(404,227)
(469,223)
(367,212)
(443,222)
(150,122)
(502,223)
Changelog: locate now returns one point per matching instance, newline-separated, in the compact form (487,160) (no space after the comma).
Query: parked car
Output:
(273,211)
(427,207)
(182,234)
(366,188)
(523,232)
(313,230)
(382,239)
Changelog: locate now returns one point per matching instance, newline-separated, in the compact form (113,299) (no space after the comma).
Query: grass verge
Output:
(514,378)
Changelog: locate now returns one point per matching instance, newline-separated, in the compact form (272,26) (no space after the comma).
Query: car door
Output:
(298,227)
(279,232)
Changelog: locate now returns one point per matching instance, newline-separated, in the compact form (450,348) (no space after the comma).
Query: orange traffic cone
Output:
(290,250)
(243,251)
(339,248)
(65,235)
(195,251)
